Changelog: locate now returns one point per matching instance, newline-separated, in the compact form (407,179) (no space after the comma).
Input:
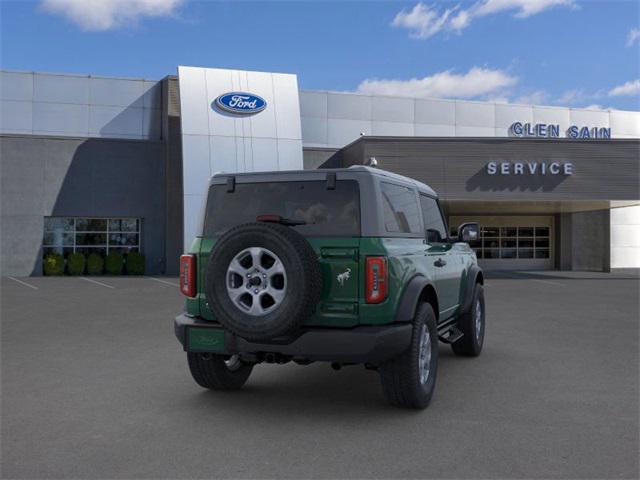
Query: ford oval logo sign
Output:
(240,103)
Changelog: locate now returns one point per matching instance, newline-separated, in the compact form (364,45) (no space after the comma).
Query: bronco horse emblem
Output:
(343,277)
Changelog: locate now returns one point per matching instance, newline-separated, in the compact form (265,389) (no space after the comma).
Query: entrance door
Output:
(513,243)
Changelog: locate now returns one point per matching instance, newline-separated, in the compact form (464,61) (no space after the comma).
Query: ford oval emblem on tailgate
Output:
(240,103)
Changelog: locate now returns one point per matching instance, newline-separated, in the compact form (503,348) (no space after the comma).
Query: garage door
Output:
(513,242)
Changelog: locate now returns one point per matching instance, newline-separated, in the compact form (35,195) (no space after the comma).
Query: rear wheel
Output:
(472,325)
(409,379)
(218,372)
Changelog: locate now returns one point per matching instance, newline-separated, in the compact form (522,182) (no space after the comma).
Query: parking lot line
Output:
(97,282)
(24,283)
(163,281)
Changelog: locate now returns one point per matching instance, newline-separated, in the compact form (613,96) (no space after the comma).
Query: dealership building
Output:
(101,164)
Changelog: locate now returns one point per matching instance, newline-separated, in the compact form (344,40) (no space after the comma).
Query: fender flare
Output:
(474,275)
(409,298)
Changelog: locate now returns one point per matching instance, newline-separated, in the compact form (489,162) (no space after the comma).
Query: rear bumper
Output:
(363,344)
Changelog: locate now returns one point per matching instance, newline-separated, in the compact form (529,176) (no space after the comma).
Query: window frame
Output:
(447,238)
(79,248)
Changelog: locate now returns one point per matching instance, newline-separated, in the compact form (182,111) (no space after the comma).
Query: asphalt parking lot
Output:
(94,385)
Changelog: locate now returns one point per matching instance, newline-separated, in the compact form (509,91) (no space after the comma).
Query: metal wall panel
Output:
(61,118)
(625,123)
(314,130)
(16,86)
(392,129)
(435,112)
(73,105)
(61,89)
(16,117)
(389,109)
(349,106)
(313,104)
(107,121)
(471,114)
(116,92)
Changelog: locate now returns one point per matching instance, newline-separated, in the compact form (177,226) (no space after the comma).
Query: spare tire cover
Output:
(262,280)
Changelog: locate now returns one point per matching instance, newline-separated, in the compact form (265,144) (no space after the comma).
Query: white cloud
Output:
(421,21)
(631,87)
(538,97)
(633,36)
(424,22)
(100,15)
(595,106)
(475,83)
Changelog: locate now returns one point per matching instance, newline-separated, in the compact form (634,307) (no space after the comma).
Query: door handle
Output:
(440,263)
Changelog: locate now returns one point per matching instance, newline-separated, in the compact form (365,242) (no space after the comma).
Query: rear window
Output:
(326,212)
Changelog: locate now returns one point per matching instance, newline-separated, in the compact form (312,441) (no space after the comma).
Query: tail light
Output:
(376,280)
(188,275)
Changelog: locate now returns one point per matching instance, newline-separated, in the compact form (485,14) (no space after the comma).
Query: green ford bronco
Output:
(348,266)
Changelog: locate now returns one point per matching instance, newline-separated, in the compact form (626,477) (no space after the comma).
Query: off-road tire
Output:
(470,345)
(400,376)
(303,284)
(211,371)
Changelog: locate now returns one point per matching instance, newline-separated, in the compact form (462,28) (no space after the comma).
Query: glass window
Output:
(527,243)
(58,224)
(400,209)
(58,237)
(123,225)
(509,231)
(323,212)
(433,222)
(514,242)
(542,243)
(490,232)
(525,232)
(65,235)
(91,225)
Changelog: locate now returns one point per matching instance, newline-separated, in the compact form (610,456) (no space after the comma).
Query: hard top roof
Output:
(319,173)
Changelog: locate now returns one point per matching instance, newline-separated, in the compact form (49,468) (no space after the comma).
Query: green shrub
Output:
(135,263)
(95,264)
(76,263)
(53,264)
(113,263)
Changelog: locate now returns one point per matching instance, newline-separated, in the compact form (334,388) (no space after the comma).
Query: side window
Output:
(433,223)
(400,209)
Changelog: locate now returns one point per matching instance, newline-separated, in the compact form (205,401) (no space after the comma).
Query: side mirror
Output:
(468,232)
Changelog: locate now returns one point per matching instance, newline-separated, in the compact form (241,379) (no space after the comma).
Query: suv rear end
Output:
(346,322)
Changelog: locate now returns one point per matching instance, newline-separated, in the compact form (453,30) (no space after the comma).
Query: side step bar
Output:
(451,335)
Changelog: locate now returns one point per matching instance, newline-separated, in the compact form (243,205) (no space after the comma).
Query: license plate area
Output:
(205,340)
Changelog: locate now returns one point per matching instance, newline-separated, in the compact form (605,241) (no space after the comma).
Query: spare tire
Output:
(262,280)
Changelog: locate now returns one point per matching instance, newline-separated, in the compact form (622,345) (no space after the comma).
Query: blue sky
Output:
(558,52)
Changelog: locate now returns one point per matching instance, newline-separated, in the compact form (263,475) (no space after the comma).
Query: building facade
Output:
(95,164)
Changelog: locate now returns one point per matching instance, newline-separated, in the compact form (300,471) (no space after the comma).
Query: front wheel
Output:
(409,379)
(218,372)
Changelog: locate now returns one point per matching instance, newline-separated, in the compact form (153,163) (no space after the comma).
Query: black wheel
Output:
(262,280)
(218,372)
(409,379)
(472,325)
